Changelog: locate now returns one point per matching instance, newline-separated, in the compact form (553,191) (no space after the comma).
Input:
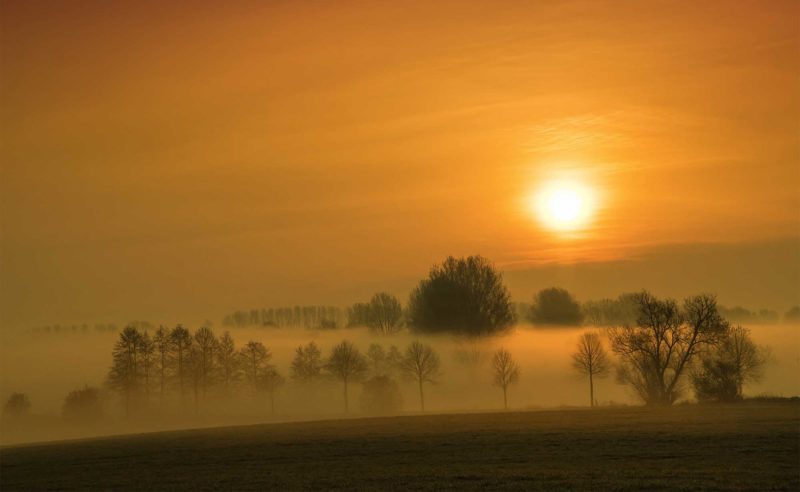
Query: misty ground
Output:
(736,447)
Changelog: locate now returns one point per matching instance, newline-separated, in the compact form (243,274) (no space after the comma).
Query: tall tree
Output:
(255,360)
(463,296)
(206,344)
(590,359)
(180,345)
(228,361)
(654,354)
(346,364)
(162,343)
(147,350)
(421,363)
(307,363)
(124,373)
(506,372)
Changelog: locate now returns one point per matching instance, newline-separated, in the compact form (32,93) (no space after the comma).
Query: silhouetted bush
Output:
(555,306)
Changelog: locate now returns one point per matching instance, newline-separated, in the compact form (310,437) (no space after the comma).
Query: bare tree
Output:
(421,363)
(228,361)
(180,344)
(346,364)
(655,353)
(307,363)
(124,373)
(270,381)
(206,344)
(376,356)
(255,360)
(385,313)
(147,355)
(591,359)
(506,372)
(162,344)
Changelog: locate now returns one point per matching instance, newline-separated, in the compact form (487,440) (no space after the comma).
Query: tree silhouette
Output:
(307,363)
(654,354)
(162,344)
(228,361)
(82,405)
(17,406)
(555,306)
(124,374)
(346,364)
(590,359)
(385,313)
(724,369)
(506,372)
(270,381)
(206,344)
(255,360)
(180,345)
(421,363)
(463,296)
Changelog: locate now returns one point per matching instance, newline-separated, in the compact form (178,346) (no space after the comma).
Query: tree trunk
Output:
(346,409)
(505,398)
(591,390)
(421,397)
(272,402)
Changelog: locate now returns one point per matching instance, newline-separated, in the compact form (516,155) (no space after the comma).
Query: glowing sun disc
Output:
(564,206)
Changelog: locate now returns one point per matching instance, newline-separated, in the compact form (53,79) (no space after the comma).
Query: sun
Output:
(564,205)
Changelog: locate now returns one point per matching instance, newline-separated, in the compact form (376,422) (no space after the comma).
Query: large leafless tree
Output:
(655,354)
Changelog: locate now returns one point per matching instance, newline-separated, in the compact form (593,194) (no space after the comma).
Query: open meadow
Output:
(748,446)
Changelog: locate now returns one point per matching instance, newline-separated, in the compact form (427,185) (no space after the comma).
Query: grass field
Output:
(751,446)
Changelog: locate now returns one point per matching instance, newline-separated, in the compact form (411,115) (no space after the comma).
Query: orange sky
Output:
(200,156)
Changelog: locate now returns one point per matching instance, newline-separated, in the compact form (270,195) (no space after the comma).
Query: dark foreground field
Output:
(748,446)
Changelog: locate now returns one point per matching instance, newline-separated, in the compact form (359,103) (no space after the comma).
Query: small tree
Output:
(228,361)
(385,313)
(255,361)
(421,363)
(555,306)
(590,359)
(270,381)
(724,369)
(17,406)
(346,364)
(463,296)
(506,372)
(307,363)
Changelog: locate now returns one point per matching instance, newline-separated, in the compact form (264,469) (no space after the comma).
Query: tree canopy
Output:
(463,296)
